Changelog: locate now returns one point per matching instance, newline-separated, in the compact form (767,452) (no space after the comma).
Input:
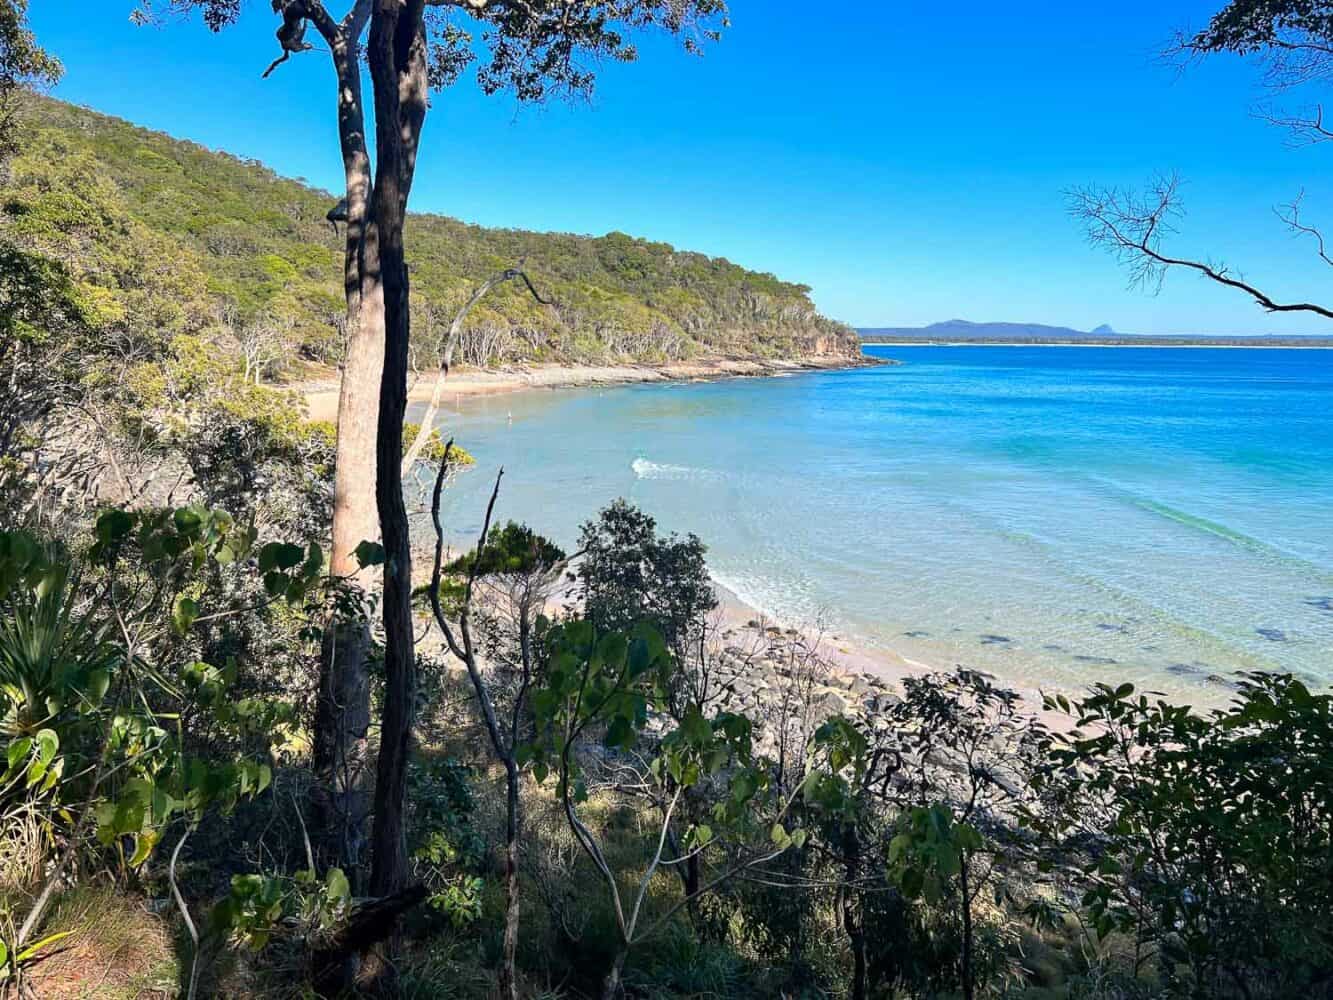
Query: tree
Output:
(536,50)
(1206,838)
(1294,41)
(1131,227)
(520,569)
(533,49)
(965,748)
(23,64)
(630,574)
(614,684)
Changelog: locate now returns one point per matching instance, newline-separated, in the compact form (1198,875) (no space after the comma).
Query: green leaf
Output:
(48,744)
(113,525)
(18,751)
(619,734)
(37,946)
(143,846)
(280,555)
(695,728)
(184,613)
(99,681)
(337,886)
(369,554)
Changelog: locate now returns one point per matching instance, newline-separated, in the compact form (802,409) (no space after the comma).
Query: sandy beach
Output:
(321,393)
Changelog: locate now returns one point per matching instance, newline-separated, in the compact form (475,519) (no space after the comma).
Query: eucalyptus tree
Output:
(536,49)
(23,63)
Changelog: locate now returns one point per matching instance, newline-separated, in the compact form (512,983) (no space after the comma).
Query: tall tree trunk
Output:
(397,55)
(966,963)
(508,979)
(612,985)
(341,795)
(851,909)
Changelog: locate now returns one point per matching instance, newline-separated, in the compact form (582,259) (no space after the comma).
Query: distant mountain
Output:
(961,329)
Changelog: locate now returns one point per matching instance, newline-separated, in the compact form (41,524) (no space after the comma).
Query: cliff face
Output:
(268,257)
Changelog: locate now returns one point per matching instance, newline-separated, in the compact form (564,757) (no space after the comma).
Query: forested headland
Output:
(155,227)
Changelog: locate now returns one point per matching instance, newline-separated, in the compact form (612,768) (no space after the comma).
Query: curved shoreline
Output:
(321,395)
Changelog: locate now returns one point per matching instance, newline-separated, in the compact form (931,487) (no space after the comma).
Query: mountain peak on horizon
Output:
(972,330)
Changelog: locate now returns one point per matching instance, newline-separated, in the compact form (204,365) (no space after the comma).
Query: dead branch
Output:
(1131,227)
(1291,216)
(447,355)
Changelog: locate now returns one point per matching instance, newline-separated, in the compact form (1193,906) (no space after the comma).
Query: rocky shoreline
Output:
(761,665)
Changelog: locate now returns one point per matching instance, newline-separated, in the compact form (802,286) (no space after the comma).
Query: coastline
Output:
(1192,345)
(321,395)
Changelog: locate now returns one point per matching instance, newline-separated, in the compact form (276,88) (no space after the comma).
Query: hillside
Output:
(216,241)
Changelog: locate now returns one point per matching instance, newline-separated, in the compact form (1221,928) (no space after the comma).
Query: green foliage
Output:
(630,574)
(158,233)
(435,445)
(103,706)
(512,549)
(1247,26)
(446,849)
(592,680)
(23,63)
(929,852)
(1213,832)
(256,906)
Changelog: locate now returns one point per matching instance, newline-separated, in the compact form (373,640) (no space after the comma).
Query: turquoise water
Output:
(1055,515)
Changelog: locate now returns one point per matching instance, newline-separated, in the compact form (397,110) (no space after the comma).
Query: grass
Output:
(118,950)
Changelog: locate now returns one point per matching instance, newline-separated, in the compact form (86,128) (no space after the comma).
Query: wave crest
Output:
(644,469)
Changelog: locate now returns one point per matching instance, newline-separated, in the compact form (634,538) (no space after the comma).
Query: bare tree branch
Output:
(1131,227)
(1291,215)
(1306,130)
(447,354)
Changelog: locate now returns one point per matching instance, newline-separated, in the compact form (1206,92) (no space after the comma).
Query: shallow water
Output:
(1055,515)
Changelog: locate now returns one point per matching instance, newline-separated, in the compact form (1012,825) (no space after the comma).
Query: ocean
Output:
(1054,515)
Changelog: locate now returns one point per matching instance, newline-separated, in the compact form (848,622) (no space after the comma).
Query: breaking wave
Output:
(644,469)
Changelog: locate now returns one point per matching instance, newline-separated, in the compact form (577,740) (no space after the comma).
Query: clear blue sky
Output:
(907,161)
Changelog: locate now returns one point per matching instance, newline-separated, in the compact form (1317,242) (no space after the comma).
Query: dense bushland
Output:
(672,837)
(165,234)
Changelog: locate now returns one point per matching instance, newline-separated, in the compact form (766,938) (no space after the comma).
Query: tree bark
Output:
(966,963)
(612,986)
(851,910)
(340,799)
(508,978)
(397,55)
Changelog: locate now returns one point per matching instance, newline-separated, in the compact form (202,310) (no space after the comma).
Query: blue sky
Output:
(908,163)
